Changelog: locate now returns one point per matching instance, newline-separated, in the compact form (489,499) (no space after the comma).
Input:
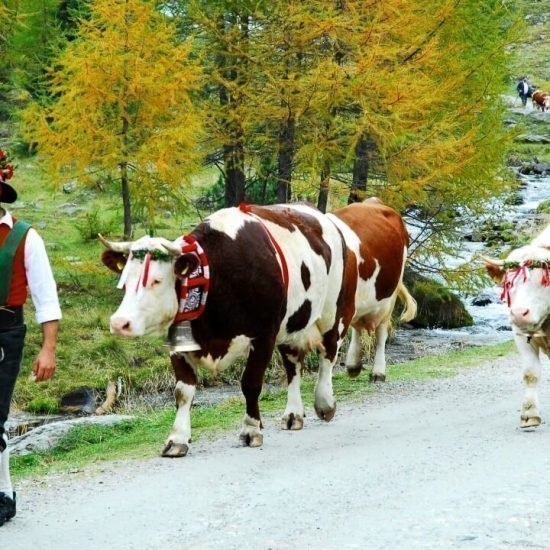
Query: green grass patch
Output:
(143,437)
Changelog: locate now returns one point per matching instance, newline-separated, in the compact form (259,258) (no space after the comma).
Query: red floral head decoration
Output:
(6,168)
(7,192)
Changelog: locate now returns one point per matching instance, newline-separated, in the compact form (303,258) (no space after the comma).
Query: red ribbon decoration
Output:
(511,276)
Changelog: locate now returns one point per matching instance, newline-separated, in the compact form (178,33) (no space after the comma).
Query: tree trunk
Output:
(360,170)
(233,149)
(284,160)
(233,156)
(126,200)
(324,187)
(125,184)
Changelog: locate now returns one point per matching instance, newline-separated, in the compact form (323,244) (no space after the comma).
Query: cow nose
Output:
(520,314)
(120,325)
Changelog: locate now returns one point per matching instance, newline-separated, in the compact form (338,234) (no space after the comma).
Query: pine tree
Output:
(122,105)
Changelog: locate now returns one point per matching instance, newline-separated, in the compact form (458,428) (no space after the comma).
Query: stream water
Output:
(491,324)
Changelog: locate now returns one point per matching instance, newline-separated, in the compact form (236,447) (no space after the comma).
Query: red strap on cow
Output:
(247,209)
(193,289)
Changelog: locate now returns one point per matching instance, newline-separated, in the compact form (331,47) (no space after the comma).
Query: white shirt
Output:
(39,275)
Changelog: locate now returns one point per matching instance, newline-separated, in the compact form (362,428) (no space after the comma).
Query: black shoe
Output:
(7,508)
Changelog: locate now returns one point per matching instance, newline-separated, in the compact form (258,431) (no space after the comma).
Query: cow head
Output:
(149,268)
(525,280)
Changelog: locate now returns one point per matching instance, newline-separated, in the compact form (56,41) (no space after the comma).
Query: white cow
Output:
(525,280)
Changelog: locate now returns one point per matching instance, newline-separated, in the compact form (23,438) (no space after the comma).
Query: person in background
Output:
(523,90)
(24,266)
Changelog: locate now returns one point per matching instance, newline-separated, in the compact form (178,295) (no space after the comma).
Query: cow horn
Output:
(492,261)
(117,247)
(172,249)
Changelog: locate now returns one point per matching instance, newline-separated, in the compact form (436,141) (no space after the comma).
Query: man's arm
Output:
(44,366)
(44,296)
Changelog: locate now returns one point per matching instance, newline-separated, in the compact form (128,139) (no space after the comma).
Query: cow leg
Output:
(179,439)
(325,403)
(293,418)
(354,354)
(530,415)
(378,373)
(251,385)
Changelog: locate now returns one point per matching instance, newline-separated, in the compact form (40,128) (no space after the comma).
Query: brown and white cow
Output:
(541,100)
(374,233)
(285,277)
(525,279)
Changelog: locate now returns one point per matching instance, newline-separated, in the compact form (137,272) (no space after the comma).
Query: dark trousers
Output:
(11,353)
(523,98)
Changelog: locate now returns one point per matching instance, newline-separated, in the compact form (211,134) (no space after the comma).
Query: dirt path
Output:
(440,464)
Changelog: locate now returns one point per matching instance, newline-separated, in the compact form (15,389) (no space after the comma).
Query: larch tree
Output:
(122,105)
(224,33)
(425,85)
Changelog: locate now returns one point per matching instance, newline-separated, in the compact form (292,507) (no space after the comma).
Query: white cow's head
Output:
(525,280)
(150,302)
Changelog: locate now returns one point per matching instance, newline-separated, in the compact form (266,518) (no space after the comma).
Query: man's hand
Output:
(44,366)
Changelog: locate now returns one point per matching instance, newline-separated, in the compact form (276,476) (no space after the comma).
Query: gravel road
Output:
(436,464)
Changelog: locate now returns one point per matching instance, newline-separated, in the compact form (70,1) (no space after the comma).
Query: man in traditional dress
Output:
(24,266)
(523,90)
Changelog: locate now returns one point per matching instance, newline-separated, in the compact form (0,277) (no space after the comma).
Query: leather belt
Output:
(11,316)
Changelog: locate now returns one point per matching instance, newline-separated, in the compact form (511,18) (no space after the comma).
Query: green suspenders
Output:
(7,255)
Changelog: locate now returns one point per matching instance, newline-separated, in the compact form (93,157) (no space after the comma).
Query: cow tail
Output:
(409,312)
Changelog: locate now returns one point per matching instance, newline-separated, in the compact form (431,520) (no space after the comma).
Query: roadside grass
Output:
(143,436)
(87,354)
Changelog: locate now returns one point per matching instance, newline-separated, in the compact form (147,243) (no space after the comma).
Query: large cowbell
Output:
(180,338)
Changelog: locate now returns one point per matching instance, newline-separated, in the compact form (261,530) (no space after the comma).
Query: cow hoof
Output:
(375,377)
(251,440)
(354,370)
(530,422)
(326,414)
(175,450)
(292,422)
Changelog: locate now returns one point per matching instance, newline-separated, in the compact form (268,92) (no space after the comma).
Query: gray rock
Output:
(482,300)
(530,138)
(46,437)
(70,208)
(539,116)
(73,259)
(69,187)
(540,168)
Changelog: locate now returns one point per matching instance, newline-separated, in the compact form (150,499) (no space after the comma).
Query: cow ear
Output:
(115,261)
(185,265)
(496,272)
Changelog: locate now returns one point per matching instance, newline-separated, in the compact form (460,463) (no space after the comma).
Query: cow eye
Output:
(156,282)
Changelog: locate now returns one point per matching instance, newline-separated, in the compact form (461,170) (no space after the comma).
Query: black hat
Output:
(7,192)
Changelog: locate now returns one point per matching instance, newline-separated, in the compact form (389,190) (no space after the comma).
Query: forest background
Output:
(133,116)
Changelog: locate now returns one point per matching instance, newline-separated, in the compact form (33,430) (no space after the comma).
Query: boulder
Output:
(438,307)
(488,296)
(536,168)
(530,138)
(47,436)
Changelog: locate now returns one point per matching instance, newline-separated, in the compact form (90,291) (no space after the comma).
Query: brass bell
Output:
(180,338)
